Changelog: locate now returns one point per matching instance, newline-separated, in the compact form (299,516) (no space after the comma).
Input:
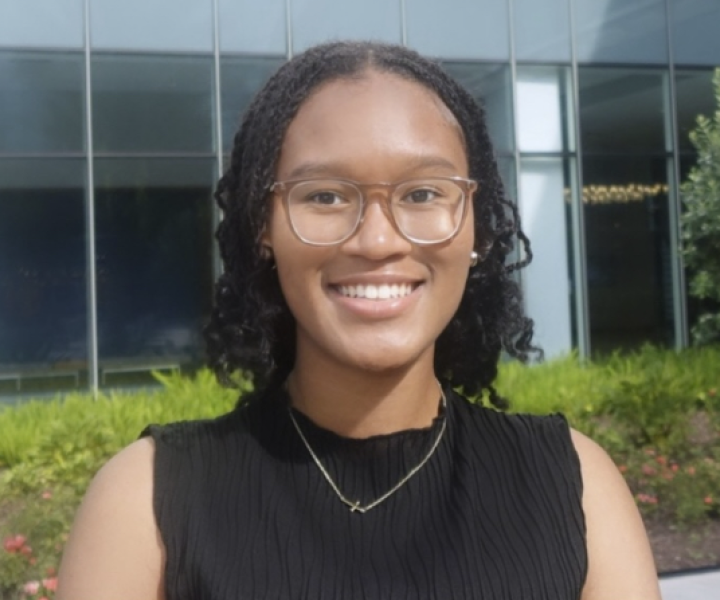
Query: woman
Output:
(364,240)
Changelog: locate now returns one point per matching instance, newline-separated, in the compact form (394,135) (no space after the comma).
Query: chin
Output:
(387,359)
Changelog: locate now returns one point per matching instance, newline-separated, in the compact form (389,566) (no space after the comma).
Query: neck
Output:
(359,403)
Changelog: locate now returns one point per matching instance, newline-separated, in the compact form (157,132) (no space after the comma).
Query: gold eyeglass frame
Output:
(467,186)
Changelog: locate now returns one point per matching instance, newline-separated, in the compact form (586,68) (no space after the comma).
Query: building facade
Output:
(116,118)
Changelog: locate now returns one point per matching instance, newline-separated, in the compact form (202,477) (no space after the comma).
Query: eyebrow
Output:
(336,168)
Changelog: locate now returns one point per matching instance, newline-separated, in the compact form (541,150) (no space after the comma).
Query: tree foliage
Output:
(700,222)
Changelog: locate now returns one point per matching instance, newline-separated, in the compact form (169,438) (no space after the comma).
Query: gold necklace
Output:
(355,506)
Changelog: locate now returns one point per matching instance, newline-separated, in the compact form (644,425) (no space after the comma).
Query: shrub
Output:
(52,449)
(700,222)
(657,413)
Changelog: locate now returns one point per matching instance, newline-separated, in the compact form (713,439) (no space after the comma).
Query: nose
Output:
(377,237)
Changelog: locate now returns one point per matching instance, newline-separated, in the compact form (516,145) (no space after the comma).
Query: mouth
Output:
(384,291)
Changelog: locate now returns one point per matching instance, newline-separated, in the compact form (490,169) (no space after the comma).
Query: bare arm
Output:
(620,560)
(114,550)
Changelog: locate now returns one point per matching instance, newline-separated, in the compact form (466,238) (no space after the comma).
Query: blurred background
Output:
(116,118)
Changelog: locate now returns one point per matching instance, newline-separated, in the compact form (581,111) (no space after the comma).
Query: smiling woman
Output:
(364,241)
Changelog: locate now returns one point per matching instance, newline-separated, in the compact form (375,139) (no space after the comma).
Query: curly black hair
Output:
(251,327)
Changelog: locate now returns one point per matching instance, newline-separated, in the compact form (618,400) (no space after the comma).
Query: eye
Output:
(424,195)
(325,198)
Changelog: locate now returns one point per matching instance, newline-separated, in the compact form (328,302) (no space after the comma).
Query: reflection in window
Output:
(546,281)
(694,96)
(43,334)
(506,166)
(695,26)
(542,109)
(618,31)
(625,200)
(252,26)
(160,25)
(628,252)
(464,29)
(153,260)
(240,79)
(491,86)
(152,103)
(622,110)
(41,102)
(315,21)
(543,139)
(50,24)
(542,30)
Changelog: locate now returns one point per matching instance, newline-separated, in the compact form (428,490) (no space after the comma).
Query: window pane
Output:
(622,110)
(625,200)
(506,166)
(694,96)
(468,29)
(628,251)
(240,79)
(41,102)
(41,23)
(43,332)
(315,21)
(253,27)
(618,31)
(160,25)
(542,100)
(152,103)
(696,31)
(542,30)
(490,85)
(546,281)
(154,264)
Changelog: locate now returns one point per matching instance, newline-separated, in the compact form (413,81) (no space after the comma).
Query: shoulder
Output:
(530,452)
(181,435)
(517,429)
(251,414)
(114,542)
(620,562)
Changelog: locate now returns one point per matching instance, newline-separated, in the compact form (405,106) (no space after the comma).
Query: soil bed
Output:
(677,548)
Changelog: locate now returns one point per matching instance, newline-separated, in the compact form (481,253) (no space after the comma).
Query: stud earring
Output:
(266,252)
(473,259)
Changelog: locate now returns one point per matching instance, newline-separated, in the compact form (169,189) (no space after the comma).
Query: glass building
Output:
(116,116)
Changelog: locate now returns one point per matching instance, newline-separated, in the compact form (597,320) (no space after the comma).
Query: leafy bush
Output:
(51,450)
(700,222)
(656,411)
(682,491)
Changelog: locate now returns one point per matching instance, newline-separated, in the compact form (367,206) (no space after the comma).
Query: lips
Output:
(384,291)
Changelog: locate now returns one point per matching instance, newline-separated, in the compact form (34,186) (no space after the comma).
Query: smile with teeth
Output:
(384,291)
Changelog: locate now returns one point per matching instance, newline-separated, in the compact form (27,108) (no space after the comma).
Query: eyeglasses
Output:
(324,212)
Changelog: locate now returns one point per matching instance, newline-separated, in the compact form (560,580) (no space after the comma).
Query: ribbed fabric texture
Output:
(244,512)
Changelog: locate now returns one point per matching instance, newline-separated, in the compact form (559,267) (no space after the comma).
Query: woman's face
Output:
(379,128)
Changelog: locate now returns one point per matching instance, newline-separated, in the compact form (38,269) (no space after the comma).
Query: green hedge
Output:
(657,412)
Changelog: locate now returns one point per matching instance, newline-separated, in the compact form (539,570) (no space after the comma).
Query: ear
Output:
(266,252)
(266,249)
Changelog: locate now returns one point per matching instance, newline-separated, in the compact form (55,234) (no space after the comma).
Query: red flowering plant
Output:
(28,560)
(685,491)
(42,589)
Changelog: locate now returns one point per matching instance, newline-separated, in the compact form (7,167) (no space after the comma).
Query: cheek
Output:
(299,270)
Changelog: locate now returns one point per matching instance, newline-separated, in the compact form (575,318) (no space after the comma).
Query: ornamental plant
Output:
(681,491)
(700,222)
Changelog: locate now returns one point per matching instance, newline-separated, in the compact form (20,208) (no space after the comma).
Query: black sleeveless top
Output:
(244,512)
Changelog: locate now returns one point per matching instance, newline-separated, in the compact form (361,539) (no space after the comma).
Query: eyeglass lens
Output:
(327,211)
